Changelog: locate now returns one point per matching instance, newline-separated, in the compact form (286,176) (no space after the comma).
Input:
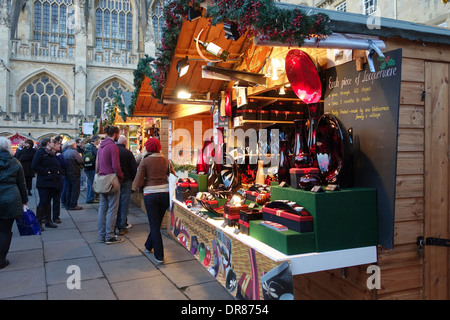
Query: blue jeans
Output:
(90,194)
(122,213)
(156,205)
(107,215)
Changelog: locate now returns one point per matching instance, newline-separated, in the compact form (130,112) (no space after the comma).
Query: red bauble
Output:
(303,76)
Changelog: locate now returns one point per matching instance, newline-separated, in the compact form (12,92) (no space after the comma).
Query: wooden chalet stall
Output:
(408,262)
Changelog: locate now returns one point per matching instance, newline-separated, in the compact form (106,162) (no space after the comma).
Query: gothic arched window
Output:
(105,95)
(43,95)
(113,25)
(53,21)
(158,19)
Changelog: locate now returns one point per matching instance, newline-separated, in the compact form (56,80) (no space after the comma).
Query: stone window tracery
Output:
(105,94)
(53,21)
(158,19)
(43,95)
(113,25)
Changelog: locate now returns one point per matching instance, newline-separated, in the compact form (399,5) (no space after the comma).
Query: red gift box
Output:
(245,217)
(297,173)
(251,195)
(185,188)
(299,223)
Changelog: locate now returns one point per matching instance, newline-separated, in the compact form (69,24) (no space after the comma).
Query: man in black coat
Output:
(48,181)
(25,156)
(129,168)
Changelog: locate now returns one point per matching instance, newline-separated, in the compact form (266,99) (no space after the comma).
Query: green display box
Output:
(341,219)
(289,242)
(202,180)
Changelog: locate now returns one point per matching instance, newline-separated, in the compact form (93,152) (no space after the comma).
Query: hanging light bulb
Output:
(275,65)
(282,91)
(184,94)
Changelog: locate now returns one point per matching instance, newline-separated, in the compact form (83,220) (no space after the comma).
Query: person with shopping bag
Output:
(108,165)
(152,174)
(13,196)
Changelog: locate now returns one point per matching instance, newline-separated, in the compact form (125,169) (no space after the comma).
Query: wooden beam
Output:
(185,110)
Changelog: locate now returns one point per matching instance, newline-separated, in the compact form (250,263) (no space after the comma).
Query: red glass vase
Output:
(301,157)
(284,164)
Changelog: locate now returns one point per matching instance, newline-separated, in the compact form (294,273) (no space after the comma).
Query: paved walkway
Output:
(39,264)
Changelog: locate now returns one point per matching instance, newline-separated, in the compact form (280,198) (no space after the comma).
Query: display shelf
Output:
(300,263)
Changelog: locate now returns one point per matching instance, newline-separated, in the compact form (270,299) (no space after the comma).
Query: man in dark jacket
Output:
(89,168)
(129,168)
(74,163)
(49,171)
(25,156)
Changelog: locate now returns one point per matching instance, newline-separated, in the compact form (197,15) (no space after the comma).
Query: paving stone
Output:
(22,282)
(212,290)
(56,271)
(129,269)
(85,226)
(24,259)
(186,273)
(152,288)
(105,252)
(96,289)
(25,243)
(68,249)
(61,234)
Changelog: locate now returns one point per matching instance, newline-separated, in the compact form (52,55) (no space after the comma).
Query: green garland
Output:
(184,167)
(264,18)
(117,99)
(110,113)
(259,18)
(95,127)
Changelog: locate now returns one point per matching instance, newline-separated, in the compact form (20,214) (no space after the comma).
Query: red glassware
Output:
(303,76)
(301,157)
(334,152)
(284,164)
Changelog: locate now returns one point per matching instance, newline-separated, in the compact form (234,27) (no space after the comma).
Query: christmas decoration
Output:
(117,99)
(262,18)
(109,115)
(80,127)
(95,127)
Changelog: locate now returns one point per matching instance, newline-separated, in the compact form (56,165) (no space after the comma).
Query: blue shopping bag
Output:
(28,224)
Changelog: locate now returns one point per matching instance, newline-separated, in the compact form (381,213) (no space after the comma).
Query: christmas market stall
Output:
(316,146)
(17,138)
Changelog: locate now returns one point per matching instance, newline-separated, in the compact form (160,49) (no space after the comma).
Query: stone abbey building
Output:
(61,60)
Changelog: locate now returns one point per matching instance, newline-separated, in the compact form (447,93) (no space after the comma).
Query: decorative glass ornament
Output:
(301,157)
(303,76)
(334,152)
(284,164)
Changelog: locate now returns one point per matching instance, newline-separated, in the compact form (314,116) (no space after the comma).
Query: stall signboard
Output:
(244,272)
(368,103)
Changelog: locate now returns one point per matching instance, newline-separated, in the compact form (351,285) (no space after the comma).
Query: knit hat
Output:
(153,145)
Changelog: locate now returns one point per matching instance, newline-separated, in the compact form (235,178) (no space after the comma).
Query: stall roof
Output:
(341,22)
(347,22)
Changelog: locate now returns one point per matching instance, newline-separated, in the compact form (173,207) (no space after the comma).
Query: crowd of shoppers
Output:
(58,170)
